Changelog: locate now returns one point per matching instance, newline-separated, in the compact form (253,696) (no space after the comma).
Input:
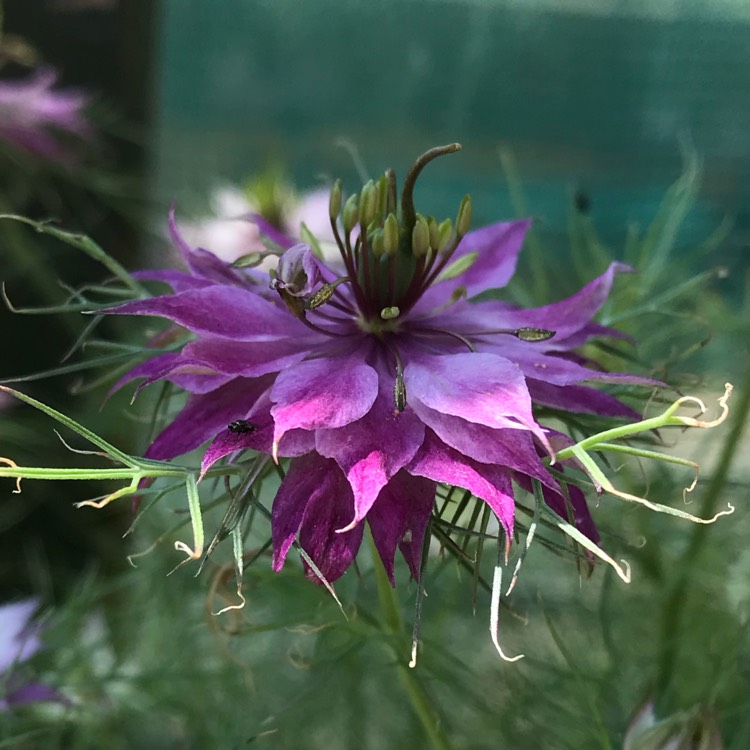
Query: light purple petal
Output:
(565,317)
(323,393)
(224,311)
(372,449)
(204,416)
(488,482)
(498,246)
(19,638)
(477,387)
(399,518)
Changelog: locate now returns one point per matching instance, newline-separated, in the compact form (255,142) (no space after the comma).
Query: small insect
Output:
(241,426)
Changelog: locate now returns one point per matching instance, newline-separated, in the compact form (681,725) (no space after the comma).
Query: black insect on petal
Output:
(241,426)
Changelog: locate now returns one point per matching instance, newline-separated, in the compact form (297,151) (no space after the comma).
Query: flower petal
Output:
(579,398)
(247,359)
(323,393)
(204,416)
(315,500)
(498,246)
(490,483)
(513,449)
(224,311)
(372,449)
(565,317)
(399,518)
(477,387)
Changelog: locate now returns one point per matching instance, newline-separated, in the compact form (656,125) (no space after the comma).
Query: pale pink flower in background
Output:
(35,117)
(233,230)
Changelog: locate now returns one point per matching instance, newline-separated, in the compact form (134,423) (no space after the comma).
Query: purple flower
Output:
(19,641)
(34,116)
(377,377)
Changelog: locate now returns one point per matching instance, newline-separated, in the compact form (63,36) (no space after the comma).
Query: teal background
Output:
(591,96)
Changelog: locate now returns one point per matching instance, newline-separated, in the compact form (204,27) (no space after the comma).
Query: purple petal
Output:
(201,262)
(572,508)
(498,246)
(490,483)
(273,233)
(315,500)
(579,398)
(323,393)
(399,517)
(178,280)
(171,366)
(204,416)
(294,443)
(561,370)
(248,359)
(372,449)
(477,387)
(565,317)
(224,311)
(34,692)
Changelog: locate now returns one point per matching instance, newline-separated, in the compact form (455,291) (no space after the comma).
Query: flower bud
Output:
(390,234)
(351,213)
(434,234)
(334,204)
(377,243)
(420,237)
(368,204)
(463,220)
(446,232)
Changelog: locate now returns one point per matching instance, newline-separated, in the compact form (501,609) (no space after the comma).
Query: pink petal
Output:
(513,449)
(372,449)
(490,483)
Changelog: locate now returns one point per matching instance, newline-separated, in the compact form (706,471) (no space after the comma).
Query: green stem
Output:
(37,472)
(420,701)
(674,607)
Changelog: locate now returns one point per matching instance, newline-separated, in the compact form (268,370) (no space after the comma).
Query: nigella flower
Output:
(19,641)
(376,377)
(35,117)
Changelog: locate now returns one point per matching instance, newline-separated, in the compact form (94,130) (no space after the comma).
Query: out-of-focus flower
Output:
(240,221)
(376,376)
(19,641)
(686,730)
(37,118)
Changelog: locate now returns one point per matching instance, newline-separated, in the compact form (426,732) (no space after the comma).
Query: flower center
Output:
(391,253)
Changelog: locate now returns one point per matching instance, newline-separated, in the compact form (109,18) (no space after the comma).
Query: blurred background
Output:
(618,125)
